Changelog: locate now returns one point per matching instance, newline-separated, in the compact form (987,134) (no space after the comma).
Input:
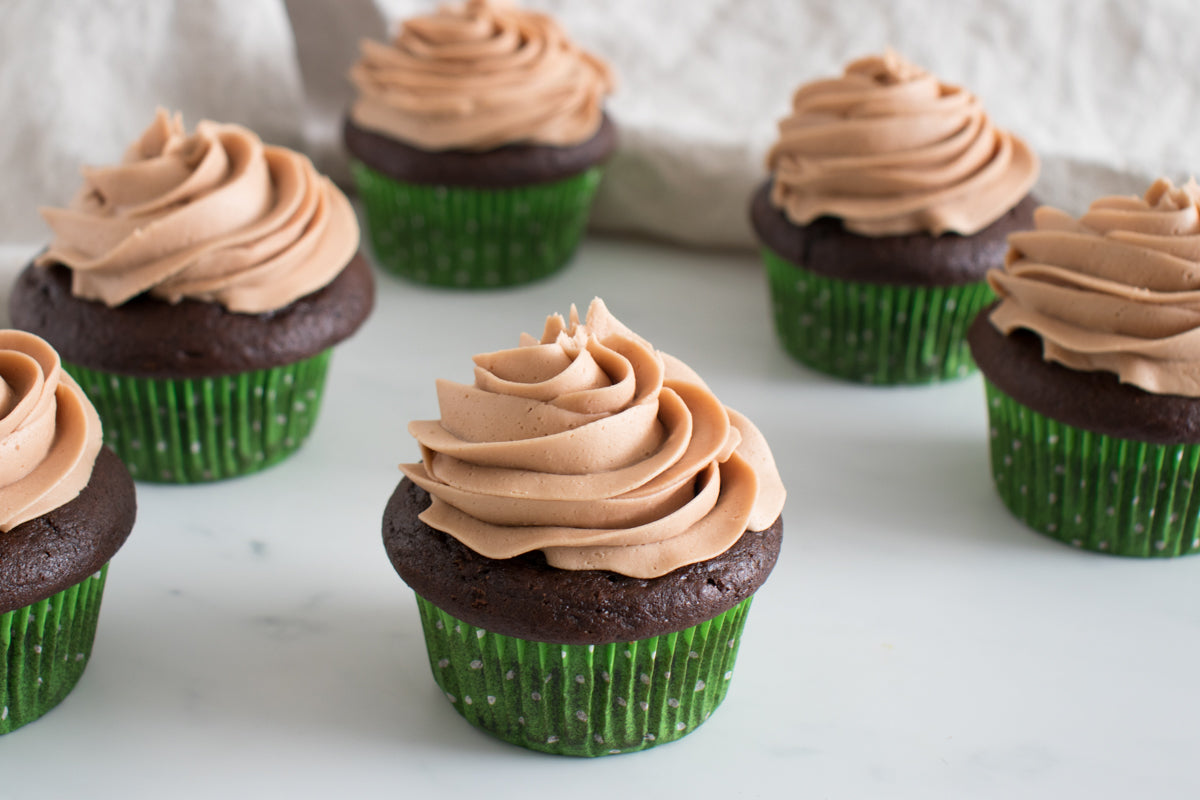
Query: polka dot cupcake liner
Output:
(1093,491)
(474,238)
(46,647)
(584,700)
(874,333)
(192,430)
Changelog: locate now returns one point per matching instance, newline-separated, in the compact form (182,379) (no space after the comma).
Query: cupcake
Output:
(66,507)
(584,534)
(195,291)
(890,196)
(477,142)
(1091,361)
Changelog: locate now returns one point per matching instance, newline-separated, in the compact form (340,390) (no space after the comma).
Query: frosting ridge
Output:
(215,216)
(49,432)
(479,75)
(1117,290)
(891,150)
(596,449)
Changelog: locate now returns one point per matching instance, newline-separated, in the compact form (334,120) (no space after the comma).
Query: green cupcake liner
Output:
(1094,491)
(205,429)
(874,333)
(474,238)
(46,645)
(584,700)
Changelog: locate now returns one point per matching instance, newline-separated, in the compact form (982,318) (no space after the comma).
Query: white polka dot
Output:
(680,726)
(476,664)
(480,633)
(673,702)
(644,678)
(468,700)
(581,715)
(621,702)
(508,676)
(443,662)
(699,686)
(580,679)
(643,705)
(536,696)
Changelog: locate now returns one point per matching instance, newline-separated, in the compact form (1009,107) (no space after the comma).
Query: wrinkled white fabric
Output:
(702,85)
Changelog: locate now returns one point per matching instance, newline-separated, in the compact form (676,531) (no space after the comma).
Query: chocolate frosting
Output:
(889,149)
(1117,290)
(596,449)
(479,75)
(214,216)
(49,431)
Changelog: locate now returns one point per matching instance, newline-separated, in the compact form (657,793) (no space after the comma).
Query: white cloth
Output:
(1103,92)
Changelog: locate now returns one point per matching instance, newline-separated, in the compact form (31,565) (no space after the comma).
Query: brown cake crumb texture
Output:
(525,598)
(825,247)
(59,549)
(151,338)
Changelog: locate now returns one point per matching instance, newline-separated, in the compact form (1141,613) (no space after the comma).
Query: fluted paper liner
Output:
(474,238)
(46,647)
(584,700)
(874,333)
(1090,490)
(204,429)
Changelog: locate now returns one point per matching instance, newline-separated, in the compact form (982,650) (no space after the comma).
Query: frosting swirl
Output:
(479,75)
(596,449)
(891,150)
(1117,290)
(49,431)
(215,216)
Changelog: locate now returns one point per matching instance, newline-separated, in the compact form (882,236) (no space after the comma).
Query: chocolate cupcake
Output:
(477,143)
(66,507)
(195,291)
(584,534)
(891,195)
(1091,360)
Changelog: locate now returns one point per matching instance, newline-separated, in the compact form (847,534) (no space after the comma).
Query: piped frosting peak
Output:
(215,216)
(891,150)
(598,450)
(479,75)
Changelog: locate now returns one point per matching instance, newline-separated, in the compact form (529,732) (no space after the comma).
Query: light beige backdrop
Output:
(1105,91)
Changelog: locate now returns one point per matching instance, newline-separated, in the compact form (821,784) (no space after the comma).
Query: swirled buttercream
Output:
(49,431)
(891,150)
(213,216)
(1117,290)
(479,75)
(596,449)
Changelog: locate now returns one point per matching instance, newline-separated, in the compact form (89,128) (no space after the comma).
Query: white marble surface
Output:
(915,641)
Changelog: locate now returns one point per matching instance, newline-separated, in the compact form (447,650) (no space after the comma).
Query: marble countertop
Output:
(915,641)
